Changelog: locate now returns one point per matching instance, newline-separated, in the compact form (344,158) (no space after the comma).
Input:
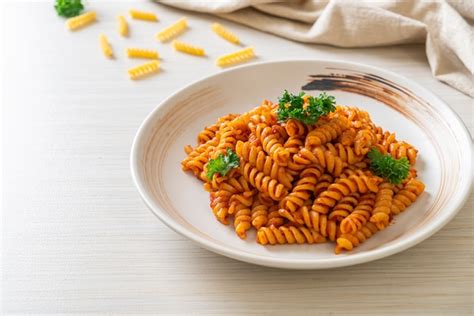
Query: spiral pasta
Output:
(327,132)
(325,158)
(321,223)
(303,189)
(240,206)
(105,46)
(225,33)
(259,213)
(296,183)
(144,70)
(188,48)
(263,183)
(288,235)
(143,15)
(343,187)
(344,207)
(387,143)
(260,160)
(142,53)
(81,21)
(173,30)
(122,26)
(406,196)
(383,204)
(350,241)
(274,217)
(360,215)
(271,144)
(236,57)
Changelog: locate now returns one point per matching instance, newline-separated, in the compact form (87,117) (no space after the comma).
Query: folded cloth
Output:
(445,26)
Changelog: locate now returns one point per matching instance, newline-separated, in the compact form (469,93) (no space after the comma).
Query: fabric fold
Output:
(445,27)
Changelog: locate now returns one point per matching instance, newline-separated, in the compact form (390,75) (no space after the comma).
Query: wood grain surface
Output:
(76,238)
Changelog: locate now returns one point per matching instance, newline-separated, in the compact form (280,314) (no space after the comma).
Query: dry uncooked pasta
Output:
(188,48)
(122,26)
(142,53)
(144,70)
(81,21)
(236,57)
(143,15)
(173,30)
(225,33)
(105,46)
(299,182)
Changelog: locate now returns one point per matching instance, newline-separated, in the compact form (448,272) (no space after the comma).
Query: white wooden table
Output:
(77,238)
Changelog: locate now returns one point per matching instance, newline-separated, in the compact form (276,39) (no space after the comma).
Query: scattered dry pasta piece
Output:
(188,49)
(144,70)
(143,15)
(105,46)
(122,26)
(142,53)
(236,57)
(80,21)
(224,33)
(173,30)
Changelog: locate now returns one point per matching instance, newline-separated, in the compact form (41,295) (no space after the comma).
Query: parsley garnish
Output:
(387,167)
(68,8)
(223,163)
(292,106)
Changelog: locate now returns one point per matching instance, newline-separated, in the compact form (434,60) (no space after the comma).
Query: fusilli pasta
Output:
(237,57)
(143,15)
(105,46)
(144,70)
(173,30)
(224,33)
(297,183)
(81,21)
(142,53)
(122,26)
(188,48)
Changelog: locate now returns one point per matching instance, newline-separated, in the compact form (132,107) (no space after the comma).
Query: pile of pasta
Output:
(299,183)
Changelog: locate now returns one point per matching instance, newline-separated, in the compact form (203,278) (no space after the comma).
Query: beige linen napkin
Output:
(445,26)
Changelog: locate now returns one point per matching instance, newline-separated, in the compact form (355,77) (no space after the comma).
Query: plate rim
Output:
(299,264)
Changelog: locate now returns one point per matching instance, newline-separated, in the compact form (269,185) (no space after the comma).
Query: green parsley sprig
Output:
(387,167)
(223,164)
(292,106)
(68,8)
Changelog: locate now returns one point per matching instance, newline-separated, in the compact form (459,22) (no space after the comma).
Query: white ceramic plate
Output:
(394,102)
